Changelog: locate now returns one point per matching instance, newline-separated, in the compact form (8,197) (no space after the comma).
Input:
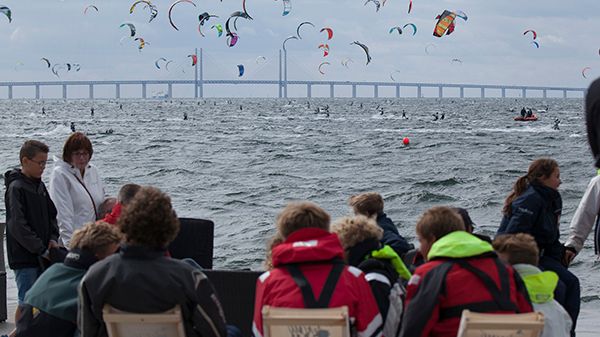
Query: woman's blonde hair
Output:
(95,237)
(356,229)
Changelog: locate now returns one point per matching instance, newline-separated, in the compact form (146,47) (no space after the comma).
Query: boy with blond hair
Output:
(521,251)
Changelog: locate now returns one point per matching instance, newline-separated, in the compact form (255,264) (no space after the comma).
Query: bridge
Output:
(282,83)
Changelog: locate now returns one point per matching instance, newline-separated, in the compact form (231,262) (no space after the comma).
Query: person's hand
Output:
(52,244)
(570,254)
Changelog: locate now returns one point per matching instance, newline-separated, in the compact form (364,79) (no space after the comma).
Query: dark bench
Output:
(235,289)
(195,241)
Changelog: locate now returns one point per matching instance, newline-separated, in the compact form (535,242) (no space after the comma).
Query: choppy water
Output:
(240,167)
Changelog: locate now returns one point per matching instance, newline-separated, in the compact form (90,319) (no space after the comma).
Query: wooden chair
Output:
(474,324)
(287,322)
(125,324)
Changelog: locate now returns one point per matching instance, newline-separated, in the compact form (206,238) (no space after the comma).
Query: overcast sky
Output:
(491,44)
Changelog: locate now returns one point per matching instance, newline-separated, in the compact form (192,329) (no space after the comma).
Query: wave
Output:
(427,196)
(443,182)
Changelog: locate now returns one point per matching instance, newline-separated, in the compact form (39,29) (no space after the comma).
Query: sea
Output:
(238,162)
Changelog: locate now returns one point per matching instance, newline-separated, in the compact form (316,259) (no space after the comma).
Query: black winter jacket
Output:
(392,237)
(537,212)
(30,219)
(141,280)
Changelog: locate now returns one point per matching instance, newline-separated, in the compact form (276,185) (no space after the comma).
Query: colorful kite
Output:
(365,49)
(329,32)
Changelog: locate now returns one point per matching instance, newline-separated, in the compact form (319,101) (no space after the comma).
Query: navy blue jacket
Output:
(537,212)
(391,237)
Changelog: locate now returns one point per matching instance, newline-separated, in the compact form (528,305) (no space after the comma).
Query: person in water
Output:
(436,116)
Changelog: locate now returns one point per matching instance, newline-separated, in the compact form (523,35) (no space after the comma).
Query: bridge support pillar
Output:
(440,91)
(308,90)
(462,92)
(64,91)
(482,92)
(564,94)
(10,92)
(544,93)
(503,92)
(117,90)
(397,91)
(37,91)
(145,94)
(354,91)
(170,90)
(524,93)
(331,91)
(376,91)
(419,92)
(91,89)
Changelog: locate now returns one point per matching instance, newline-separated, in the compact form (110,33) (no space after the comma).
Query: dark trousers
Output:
(568,294)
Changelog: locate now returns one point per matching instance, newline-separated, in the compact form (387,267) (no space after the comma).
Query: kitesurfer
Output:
(185,116)
(556,122)
(43,111)
(436,116)
(73,126)
(443,116)
(92,111)
(404,114)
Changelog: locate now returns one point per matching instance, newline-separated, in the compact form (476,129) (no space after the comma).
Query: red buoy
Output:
(405,141)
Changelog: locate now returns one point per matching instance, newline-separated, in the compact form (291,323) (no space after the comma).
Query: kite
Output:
(537,45)
(142,43)
(261,59)
(287,7)
(160,59)
(329,32)
(56,68)
(194,59)
(153,9)
(445,24)
(325,47)
(377,4)
(366,50)
(392,75)
(76,66)
(131,28)
(300,25)
(203,18)
(167,65)
(533,32)
(396,28)
(6,11)
(584,71)
(219,29)
(413,26)
(88,7)
(428,47)
(46,60)
(287,39)
(346,61)
(240,70)
(457,61)
(409,6)
(232,37)
(461,14)
(171,10)
(321,65)
(244,8)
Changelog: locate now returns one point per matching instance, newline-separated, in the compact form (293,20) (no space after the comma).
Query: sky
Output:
(490,44)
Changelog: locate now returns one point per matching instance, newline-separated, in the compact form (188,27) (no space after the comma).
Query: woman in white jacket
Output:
(75,186)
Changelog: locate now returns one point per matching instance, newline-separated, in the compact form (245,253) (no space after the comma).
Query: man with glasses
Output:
(31,228)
